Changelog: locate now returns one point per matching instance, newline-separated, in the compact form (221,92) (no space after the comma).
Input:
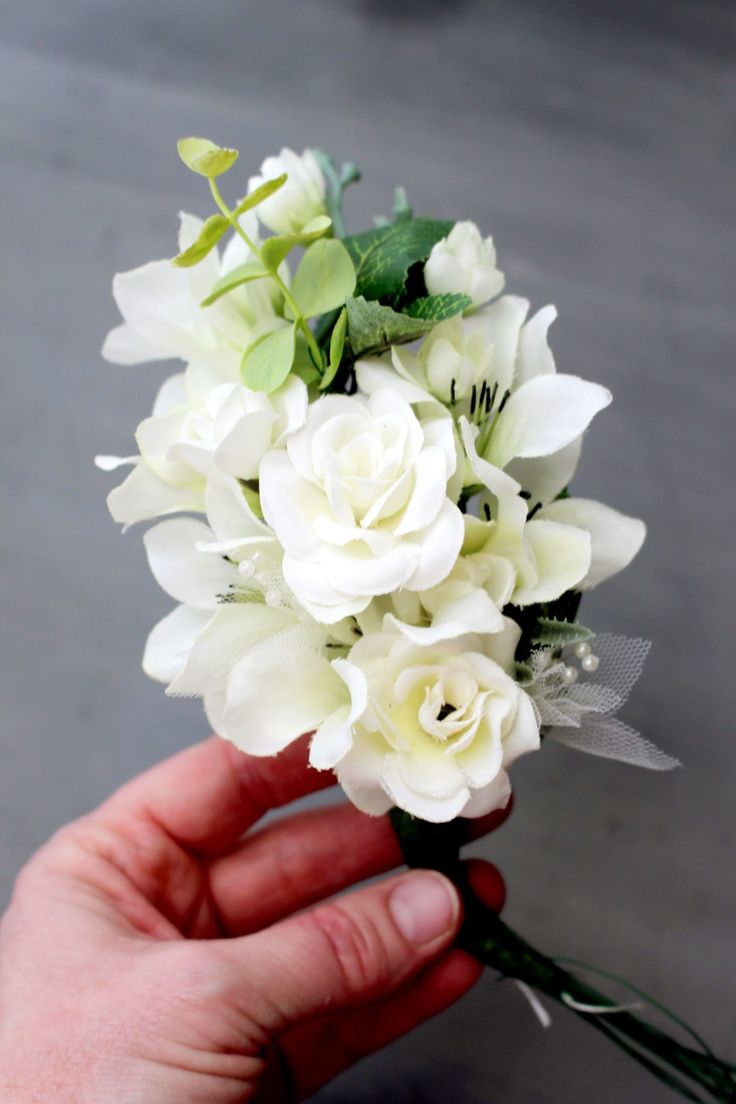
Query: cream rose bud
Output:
(441,725)
(464,263)
(299,200)
(358,501)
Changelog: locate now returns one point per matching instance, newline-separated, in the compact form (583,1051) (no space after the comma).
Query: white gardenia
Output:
(441,726)
(163,316)
(299,200)
(464,263)
(358,501)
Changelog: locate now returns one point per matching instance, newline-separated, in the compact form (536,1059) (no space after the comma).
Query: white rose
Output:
(464,263)
(358,500)
(299,200)
(441,725)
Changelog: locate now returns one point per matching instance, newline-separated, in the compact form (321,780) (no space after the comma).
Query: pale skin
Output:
(165,949)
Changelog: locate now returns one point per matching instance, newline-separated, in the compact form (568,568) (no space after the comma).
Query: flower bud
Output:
(464,263)
(299,200)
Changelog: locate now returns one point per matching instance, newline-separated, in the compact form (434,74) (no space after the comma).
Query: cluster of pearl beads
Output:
(588,662)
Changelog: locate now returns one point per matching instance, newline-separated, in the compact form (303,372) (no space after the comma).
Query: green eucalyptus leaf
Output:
(324,279)
(383,256)
(259,194)
(212,230)
(243,274)
(267,362)
(373,327)
(337,344)
(436,308)
(274,250)
(303,365)
(204,157)
(555,634)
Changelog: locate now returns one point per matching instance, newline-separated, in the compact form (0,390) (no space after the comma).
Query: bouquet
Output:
(367,459)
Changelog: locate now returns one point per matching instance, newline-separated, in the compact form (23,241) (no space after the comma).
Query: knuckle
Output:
(355,948)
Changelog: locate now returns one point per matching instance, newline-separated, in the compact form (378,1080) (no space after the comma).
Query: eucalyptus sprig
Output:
(323,281)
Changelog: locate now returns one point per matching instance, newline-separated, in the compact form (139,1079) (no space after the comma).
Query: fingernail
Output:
(424,906)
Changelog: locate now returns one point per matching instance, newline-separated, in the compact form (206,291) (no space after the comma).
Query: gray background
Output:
(595,141)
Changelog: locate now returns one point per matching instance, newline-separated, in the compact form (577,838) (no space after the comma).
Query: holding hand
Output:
(151,953)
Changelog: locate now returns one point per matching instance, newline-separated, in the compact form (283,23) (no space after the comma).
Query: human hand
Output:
(151,955)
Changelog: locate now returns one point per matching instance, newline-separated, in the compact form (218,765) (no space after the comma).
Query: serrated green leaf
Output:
(212,230)
(436,308)
(275,249)
(337,344)
(259,194)
(204,157)
(382,257)
(324,279)
(556,634)
(373,327)
(267,362)
(243,274)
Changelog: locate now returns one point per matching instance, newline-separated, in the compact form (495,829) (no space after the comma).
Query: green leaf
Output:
(204,157)
(267,362)
(555,634)
(259,194)
(303,365)
(212,230)
(275,249)
(383,256)
(243,274)
(337,344)
(373,327)
(324,279)
(436,308)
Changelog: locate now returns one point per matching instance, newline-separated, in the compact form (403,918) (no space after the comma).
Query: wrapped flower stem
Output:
(696,1074)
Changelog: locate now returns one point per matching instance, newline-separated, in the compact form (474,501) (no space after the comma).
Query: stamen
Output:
(473,400)
(487,511)
(504,400)
(452,393)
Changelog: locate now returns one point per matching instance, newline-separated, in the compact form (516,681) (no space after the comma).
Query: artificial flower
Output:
(301,199)
(464,263)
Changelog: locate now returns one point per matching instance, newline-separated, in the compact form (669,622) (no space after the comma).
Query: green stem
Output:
(301,321)
(492,942)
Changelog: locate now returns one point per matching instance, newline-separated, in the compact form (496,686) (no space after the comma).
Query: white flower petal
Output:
(334,738)
(170,642)
(498,482)
(124,346)
(535,356)
(144,495)
(270,704)
(470,613)
(544,477)
(190,576)
(435,809)
(438,547)
(230,634)
(544,415)
(561,555)
(493,796)
(616,538)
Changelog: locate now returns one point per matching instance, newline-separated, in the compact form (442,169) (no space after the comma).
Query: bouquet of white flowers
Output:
(378,448)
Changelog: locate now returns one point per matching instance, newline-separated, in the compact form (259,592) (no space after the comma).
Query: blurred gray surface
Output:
(596,142)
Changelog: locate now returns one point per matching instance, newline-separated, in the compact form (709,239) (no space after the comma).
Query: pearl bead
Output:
(570,674)
(582,650)
(590,663)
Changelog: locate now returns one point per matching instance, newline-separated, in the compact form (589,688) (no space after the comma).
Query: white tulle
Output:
(581,715)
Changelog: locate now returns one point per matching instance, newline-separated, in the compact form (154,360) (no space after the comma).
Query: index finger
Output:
(207,796)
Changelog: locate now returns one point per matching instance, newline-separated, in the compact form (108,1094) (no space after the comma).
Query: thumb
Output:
(347,952)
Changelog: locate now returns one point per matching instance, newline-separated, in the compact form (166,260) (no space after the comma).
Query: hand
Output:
(151,954)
